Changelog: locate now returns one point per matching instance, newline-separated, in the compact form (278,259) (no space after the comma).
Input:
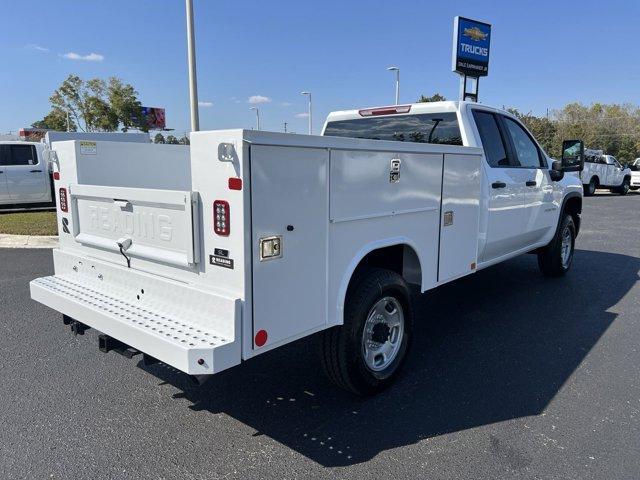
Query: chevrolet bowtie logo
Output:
(475,34)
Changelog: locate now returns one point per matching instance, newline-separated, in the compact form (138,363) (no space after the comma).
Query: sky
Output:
(544,54)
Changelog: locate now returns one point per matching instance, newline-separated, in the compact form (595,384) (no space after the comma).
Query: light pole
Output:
(310,112)
(191,55)
(257,117)
(397,70)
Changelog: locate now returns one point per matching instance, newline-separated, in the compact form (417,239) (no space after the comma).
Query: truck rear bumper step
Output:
(176,341)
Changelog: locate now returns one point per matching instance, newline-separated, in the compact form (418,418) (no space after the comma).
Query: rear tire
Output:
(555,259)
(590,189)
(364,356)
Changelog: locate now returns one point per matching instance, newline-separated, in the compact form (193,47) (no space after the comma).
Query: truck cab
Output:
(521,202)
(24,173)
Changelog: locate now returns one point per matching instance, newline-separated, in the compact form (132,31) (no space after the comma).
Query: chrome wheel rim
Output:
(566,249)
(382,334)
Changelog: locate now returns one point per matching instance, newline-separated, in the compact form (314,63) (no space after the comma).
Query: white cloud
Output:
(302,115)
(255,99)
(286,104)
(33,46)
(205,104)
(92,57)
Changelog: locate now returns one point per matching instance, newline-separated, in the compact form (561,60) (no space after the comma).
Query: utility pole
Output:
(310,112)
(397,70)
(257,117)
(285,127)
(191,55)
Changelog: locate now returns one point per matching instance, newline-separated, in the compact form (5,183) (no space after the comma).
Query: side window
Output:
(527,151)
(491,139)
(22,155)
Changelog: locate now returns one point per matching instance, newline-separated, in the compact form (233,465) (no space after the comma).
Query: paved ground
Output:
(512,376)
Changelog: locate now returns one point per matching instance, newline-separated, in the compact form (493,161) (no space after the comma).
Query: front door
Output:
(505,215)
(540,210)
(26,174)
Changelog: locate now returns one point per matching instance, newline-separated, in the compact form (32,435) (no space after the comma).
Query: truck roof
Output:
(406,109)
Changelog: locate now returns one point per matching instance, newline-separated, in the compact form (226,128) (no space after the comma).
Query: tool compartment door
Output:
(289,201)
(459,218)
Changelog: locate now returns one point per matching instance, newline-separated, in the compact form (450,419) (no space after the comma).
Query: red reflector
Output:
(56,175)
(235,184)
(221,219)
(385,110)
(64,206)
(261,338)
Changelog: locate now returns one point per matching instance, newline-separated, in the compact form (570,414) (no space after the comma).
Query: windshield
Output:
(439,128)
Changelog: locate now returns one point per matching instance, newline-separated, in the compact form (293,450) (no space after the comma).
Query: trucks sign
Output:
(471,40)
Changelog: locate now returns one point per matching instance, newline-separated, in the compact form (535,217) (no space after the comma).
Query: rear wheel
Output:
(590,189)
(555,259)
(365,355)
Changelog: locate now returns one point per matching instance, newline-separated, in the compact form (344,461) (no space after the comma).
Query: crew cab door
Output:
(4,190)
(504,190)
(26,174)
(540,211)
(615,172)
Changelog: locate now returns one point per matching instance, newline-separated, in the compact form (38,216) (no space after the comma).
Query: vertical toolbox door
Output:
(289,201)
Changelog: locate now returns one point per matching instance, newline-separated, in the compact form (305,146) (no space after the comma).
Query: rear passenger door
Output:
(4,190)
(26,174)
(540,210)
(505,222)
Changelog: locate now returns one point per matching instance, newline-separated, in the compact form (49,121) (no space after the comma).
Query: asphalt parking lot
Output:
(511,375)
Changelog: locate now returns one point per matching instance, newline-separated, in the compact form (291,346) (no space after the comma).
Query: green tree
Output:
(436,97)
(184,140)
(95,105)
(56,119)
(123,100)
(172,140)
(159,138)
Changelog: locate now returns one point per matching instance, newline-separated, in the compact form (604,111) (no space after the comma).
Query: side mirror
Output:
(572,155)
(556,173)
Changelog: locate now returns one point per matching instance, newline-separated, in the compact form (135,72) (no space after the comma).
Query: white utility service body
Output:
(25,167)
(252,241)
(635,174)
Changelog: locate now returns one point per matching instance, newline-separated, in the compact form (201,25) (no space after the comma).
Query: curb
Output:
(27,241)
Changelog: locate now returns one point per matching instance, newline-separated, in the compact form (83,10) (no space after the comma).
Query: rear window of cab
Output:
(439,128)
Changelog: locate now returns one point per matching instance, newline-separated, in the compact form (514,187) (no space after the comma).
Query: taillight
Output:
(64,206)
(385,110)
(221,218)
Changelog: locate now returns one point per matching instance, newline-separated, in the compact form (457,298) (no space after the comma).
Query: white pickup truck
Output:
(25,167)
(635,174)
(257,239)
(604,171)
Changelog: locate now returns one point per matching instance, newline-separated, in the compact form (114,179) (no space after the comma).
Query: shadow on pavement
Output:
(490,347)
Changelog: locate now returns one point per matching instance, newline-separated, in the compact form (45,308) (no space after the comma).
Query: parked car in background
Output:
(604,171)
(26,175)
(635,174)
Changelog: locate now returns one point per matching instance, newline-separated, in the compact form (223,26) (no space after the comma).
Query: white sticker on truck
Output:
(88,148)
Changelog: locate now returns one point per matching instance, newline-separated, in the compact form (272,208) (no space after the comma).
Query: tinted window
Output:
(21,155)
(491,139)
(526,151)
(423,128)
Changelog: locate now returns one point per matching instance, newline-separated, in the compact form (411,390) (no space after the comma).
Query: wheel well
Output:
(595,177)
(573,207)
(401,259)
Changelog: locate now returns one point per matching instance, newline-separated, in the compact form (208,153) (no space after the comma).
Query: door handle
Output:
(36,171)
(531,183)
(498,185)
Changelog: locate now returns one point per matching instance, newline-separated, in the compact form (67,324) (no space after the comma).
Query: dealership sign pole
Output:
(470,56)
